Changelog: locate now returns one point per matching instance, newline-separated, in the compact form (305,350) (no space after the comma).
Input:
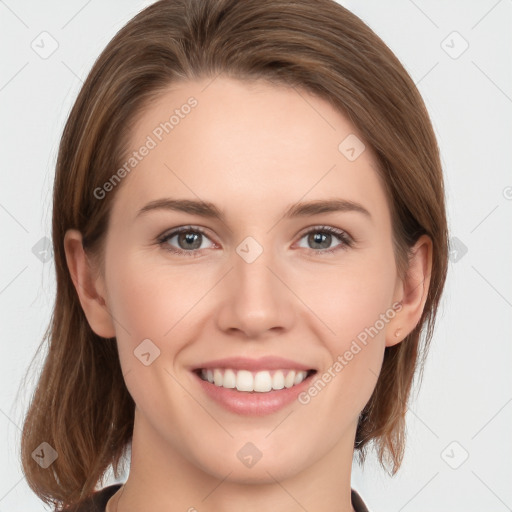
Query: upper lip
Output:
(263,363)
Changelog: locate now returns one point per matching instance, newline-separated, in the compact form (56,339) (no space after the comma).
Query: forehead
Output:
(235,143)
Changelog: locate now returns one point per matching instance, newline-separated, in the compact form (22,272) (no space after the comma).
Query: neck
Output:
(163,473)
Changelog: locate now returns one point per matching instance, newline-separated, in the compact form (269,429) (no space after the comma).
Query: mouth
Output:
(254,382)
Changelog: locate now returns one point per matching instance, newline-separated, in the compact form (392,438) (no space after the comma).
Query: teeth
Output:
(260,382)
(229,379)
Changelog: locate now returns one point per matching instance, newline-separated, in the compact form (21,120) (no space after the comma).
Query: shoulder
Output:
(357,502)
(98,501)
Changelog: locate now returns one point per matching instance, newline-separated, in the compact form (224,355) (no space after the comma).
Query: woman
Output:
(250,238)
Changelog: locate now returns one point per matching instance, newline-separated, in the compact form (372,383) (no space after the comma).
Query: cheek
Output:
(351,296)
(354,301)
(356,350)
(155,300)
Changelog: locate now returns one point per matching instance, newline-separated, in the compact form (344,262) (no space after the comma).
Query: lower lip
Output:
(253,403)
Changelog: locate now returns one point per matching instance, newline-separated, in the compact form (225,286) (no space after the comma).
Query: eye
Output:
(189,240)
(321,237)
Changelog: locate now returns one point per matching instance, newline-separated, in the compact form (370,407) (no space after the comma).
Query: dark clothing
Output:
(98,501)
(358,503)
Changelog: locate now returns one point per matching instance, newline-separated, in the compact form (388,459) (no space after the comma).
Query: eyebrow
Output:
(209,210)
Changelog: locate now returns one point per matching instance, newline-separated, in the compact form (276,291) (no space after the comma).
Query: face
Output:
(256,274)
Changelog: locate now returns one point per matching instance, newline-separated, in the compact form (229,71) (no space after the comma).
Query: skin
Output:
(243,142)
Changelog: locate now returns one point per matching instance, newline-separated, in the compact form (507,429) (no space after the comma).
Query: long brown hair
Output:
(81,406)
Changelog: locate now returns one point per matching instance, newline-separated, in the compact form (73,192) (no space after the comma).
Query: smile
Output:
(258,382)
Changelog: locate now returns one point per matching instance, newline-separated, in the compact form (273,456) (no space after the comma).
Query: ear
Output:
(89,285)
(411,292)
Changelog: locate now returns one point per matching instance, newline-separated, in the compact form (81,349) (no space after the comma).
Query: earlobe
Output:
(412,291)
(88,285)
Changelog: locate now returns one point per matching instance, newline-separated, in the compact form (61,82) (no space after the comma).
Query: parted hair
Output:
(81,406)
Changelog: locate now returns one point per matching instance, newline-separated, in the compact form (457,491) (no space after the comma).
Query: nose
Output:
(256,298)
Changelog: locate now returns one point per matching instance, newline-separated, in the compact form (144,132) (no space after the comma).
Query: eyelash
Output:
(346,241)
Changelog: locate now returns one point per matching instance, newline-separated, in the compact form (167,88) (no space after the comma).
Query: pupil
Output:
(318,238)
(189,238)
(315,238)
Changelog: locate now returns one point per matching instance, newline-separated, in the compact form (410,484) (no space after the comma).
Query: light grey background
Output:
(464,406)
